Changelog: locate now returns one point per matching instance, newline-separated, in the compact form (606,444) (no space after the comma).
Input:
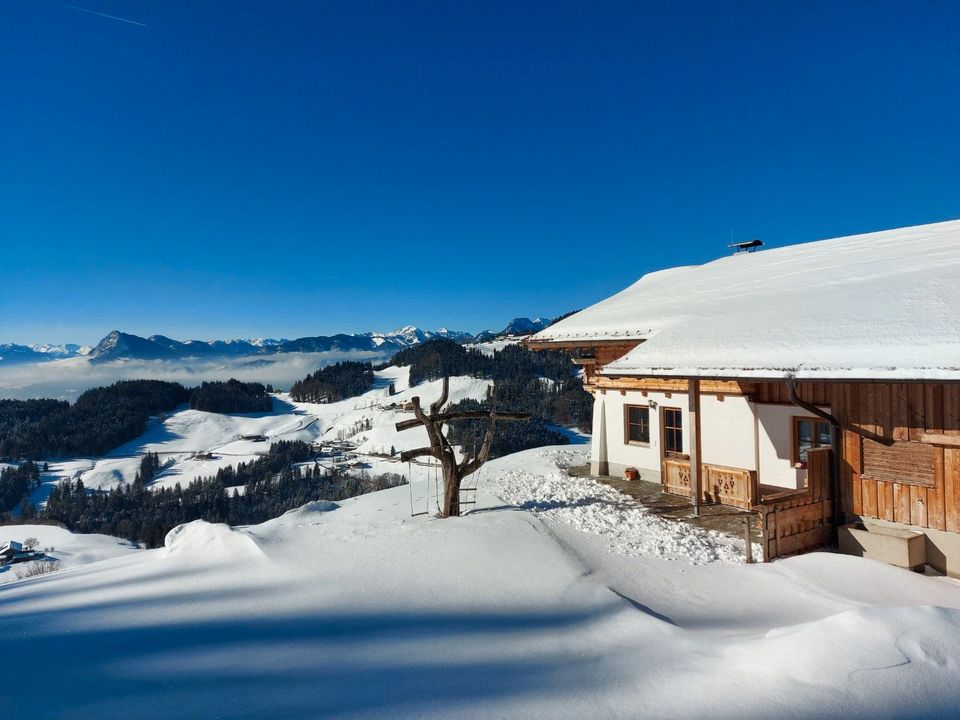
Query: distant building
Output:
(13,552)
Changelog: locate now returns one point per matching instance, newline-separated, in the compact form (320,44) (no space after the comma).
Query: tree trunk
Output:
(451,489)
(441,449)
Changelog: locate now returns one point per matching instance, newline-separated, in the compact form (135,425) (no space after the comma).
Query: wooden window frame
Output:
(795,421)
(679,454)
(627,424)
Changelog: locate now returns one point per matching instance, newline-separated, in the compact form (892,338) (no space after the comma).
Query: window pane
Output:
(638,421)
(805,432)
(673,430)
(823,431)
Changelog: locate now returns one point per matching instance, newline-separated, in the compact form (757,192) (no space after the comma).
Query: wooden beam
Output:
(580,344)
(707,387)
(940,439)
(696,456)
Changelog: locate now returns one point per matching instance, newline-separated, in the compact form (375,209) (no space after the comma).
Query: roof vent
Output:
(746,246)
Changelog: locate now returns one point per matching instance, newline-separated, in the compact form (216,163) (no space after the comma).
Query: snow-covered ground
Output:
(71,549)
(357,610)
(181,434)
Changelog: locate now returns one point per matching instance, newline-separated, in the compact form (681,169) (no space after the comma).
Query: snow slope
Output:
(71,549)
(357,610)
(181,434)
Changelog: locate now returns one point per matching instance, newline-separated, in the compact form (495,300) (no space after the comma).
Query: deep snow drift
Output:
(355,609)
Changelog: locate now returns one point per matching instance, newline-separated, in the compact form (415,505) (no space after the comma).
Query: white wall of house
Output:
(727,431)
(734,433)
(776,445)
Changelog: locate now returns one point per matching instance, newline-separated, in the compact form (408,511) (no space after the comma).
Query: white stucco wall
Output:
(620,455)
(735,433)
(776,445)
(727,431)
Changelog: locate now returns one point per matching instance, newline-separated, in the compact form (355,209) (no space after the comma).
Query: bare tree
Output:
(31,544)
(440,448)
(38,567)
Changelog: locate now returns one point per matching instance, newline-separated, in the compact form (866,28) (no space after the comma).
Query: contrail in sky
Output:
(94,12)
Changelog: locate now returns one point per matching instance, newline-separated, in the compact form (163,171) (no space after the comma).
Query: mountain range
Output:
(125,346)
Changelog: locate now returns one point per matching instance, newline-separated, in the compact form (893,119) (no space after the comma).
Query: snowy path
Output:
(592,507)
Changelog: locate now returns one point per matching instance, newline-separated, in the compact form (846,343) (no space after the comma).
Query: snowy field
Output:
(181,434)
(533,606)
(70,549)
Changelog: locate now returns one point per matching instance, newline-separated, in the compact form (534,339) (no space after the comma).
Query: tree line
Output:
(334,382)
(272,484)
(105,417)
(100,419)
(232,396)
(544,383)
(16,484)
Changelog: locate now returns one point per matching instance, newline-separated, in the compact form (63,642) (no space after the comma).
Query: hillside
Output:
(71,549)
(367,421)
(358,610)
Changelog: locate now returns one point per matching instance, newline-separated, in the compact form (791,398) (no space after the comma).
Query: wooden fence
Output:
(797,521)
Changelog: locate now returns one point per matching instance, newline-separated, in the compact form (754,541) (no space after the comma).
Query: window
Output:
(672,431)
(638,424)
(808,434)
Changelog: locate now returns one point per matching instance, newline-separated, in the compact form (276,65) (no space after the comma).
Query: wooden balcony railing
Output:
(735,487)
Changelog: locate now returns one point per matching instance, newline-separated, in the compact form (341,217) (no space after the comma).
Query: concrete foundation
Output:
(942,548)
(898,546)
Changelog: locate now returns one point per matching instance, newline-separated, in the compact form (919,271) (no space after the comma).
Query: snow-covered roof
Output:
(882,305)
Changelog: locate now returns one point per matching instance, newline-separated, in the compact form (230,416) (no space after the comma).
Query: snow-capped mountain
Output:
(61,351)
(11,353)
(525,326)
(124,346)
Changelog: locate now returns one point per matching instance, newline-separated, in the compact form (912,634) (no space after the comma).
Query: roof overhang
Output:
(576,344)
(839,375)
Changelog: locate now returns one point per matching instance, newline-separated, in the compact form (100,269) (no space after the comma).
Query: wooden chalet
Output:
(816,385)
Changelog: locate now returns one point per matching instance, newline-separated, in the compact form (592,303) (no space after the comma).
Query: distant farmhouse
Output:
(817,385)
(13,552)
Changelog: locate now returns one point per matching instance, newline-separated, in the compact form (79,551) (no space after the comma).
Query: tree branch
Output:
(408,455)
(438,405)
(463,415)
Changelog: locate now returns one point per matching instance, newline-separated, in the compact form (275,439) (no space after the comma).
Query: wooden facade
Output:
(914,422)
(899,450)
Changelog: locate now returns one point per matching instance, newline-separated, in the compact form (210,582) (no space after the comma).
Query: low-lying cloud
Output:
(66,379)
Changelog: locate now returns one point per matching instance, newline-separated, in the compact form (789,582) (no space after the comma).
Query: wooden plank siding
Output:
(899,458)
(799,521)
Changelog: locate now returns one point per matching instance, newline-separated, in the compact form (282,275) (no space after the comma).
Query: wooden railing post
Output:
(693,405)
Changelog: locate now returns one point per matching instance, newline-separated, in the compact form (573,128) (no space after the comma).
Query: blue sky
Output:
(258,168)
